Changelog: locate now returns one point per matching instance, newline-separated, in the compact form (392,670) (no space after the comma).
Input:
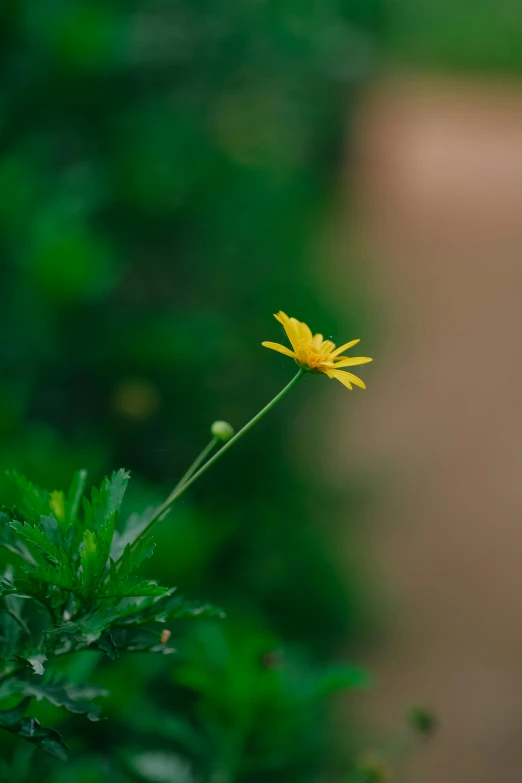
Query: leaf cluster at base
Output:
(72,584)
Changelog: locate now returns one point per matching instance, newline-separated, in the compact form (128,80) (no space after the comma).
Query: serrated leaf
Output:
(30,729)
(133,557)
(60,576)
(106,643)
(41,540)
(132,588)
(61,693)
(51,529)
(115,487)
(94,555)
(105,501)
(51,561)
(31,501)
(10,541)
(22,625)
(122,583)
(88,629)
(132,530)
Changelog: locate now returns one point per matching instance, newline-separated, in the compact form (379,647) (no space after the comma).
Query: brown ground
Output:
(439,222)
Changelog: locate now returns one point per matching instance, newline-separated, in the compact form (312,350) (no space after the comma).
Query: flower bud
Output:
(165,636)
(222,430)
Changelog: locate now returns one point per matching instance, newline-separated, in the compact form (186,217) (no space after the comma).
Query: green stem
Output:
(195,465)
(181,487)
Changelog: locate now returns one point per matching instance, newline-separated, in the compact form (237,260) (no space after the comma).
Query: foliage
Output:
(64,593)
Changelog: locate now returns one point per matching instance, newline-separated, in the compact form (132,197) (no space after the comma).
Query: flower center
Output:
(313,358)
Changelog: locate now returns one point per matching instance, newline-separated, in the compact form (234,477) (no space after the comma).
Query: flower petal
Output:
(317,340)
(280,348)
(289,328)
(303,330)
(346,378)
(352,361)
(343,348)
(327,347)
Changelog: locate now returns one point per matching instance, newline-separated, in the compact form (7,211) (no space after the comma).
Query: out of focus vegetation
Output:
(469,36)
(166,167)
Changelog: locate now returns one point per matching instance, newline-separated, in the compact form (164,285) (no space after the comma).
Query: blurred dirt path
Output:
(438,221)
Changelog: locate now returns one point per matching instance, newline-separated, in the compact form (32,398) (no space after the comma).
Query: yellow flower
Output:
(314,354)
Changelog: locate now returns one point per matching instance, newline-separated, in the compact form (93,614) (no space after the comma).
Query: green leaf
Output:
(51,529)
(115,487)
(132,530)
(122,583)
(74,496)
(51,560)
(133,557)
(34,662)
(94,555)
(7,586)
(136,588)
(61,693)
(88,628)
(30,500)
(105,501)
(106,643)
(60,577)
(43,540)
(140,638)
(90,559)
(30,729)
(10,541)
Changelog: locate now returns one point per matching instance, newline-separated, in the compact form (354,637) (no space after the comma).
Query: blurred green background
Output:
(167,169)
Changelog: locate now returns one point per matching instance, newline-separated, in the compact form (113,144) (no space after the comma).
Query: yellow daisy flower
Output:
(314,354)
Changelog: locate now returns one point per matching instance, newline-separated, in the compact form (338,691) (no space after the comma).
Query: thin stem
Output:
(195,465)
(181,487)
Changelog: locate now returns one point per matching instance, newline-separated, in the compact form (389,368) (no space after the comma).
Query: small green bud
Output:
(222,430)
(422,720)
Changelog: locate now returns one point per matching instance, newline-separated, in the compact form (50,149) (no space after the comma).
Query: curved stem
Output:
(181,487)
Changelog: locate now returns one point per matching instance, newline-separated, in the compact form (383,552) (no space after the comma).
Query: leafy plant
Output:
(73,585)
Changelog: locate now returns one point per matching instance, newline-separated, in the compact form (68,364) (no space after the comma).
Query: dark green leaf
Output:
(30,729)
(61,693)
(106,643)
(12,542)
(43,540)
(60,577)
(132,530)
(141,639)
